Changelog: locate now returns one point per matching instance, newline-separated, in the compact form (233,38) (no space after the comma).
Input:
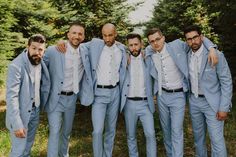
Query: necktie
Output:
(75,72)
(113,66)
(37,85)
(159,72)
(195,79)
(136,75)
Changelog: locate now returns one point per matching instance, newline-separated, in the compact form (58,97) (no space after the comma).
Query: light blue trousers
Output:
(171,108)
(21,147)
(104,115)
(60,126)
(204,117)
(133,111)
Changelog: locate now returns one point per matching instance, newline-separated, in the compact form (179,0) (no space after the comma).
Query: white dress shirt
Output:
(194,71)
(170,74)
(35,76)
(109,65)
(73,70)
(137,83)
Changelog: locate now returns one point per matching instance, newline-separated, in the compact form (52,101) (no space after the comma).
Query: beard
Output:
(34,59)
(135,54)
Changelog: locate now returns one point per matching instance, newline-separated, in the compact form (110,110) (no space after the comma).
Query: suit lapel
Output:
(26,63)
(204,61)
(98,53)
(62,57)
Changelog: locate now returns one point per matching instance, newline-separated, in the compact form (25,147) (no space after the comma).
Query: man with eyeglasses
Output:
(167,63)
(210,97)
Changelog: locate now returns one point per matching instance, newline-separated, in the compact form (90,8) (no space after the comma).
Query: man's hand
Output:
(61,46)
(20,133)
(212,57)
(221,115)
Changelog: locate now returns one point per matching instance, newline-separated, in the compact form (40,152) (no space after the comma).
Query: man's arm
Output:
(12,97)
(224,75)
(61,46)
(212,56)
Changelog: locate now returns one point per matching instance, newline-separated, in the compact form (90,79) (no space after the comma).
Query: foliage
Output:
(173,16)
(93,14)
(19,19)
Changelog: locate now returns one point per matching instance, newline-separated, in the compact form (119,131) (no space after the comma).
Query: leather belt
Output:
(33,105)
(67,93)
(172,90)
(137,98)
(107,86)
(201,96)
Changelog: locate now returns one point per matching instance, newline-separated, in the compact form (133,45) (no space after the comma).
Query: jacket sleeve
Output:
(225,79)
(12,97)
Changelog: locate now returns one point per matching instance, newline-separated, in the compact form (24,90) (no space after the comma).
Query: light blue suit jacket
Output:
(216,82)
(55,62)
(94,49)
(19,94)
(148,85)
(178,52)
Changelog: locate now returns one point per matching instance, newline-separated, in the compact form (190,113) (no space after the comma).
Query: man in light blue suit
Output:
(108,63)
(167,63)
(210,97)
(28,86)
(70,77)
(137,99)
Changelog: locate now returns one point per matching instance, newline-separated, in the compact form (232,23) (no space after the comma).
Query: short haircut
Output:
(153,31)
(39,38)
(133,35)
(76,23)
(192,28)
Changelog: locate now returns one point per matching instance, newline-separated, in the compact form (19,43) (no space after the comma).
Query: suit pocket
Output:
(210,74)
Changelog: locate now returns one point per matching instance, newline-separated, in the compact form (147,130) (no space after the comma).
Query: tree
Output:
(173,16)
(93,14)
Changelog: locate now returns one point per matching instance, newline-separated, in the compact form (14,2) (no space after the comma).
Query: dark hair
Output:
(153,31)
(39,38)
(132,36)
(76,23)
(192,28)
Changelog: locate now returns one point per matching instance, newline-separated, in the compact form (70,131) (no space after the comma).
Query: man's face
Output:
(134,46)
(35,52)
(194,40)
(156,41)
(109,35)
(76,35)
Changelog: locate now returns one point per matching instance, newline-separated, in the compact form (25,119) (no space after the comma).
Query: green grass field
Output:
(81,138)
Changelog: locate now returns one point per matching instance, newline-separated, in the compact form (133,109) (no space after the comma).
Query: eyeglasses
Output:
(155,40)
(196,37)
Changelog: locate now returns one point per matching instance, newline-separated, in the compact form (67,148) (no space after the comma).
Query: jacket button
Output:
(29,111)
(61,82)
(32,98)
(125,95)
(127,85)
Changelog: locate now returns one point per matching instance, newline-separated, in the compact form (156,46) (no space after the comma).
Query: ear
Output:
(164,38)
(201,37)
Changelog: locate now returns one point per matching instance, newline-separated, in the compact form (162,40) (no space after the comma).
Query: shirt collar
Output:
(71,49)
(198,52)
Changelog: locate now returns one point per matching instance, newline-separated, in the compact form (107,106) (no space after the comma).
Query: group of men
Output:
(102,73)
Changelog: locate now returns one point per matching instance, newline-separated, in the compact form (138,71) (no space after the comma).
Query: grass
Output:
(81,138)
